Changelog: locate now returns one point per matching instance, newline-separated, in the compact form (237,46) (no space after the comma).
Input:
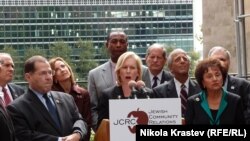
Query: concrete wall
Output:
(219,27)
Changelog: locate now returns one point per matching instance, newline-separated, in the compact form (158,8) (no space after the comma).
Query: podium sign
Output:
(125,114)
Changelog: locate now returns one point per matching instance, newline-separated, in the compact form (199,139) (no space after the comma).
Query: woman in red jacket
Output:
(63,80)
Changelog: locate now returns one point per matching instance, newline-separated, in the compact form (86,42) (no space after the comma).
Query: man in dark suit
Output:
(6,126)
(178,64)
(233,84)
(44,115)
(154,74)
(11,91)
(103,76)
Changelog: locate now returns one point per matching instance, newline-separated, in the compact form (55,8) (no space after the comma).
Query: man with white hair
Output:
(233,84)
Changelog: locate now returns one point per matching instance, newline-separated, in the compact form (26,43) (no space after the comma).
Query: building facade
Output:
(219,28)
(25,23)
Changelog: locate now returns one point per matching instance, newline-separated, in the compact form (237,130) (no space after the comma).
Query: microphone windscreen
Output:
(132,84)
(140,84)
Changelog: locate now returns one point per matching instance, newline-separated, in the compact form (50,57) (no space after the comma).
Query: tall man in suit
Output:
(156,58)
(178,64)
(8,91)
(103,76)
(233,84)
(44,115)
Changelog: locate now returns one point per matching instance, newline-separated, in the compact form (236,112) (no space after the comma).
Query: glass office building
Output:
(25,23)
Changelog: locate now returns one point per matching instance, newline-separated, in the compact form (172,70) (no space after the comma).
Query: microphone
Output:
(141,86)
(132,86)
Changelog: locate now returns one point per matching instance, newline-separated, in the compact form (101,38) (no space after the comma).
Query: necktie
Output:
(155,81)
(183,95)
(52,110)
(7,99)
(2,104)
(7,119)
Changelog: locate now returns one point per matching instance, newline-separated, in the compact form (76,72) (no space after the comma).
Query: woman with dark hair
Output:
(213,105)
(64,80)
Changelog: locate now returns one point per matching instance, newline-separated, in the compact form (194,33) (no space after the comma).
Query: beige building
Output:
(219,28)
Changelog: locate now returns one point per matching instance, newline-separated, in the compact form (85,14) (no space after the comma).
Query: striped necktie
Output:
(183,95)
(6,96)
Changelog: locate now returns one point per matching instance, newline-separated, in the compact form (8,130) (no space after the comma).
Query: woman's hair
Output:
(52,62)
(121,61)
(202,68)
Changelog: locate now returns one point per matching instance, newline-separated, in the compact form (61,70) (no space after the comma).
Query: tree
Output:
(31,51)
(86,61)
(195,56)
(60,49)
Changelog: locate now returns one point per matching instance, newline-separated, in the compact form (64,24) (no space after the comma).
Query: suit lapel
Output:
(163,77)
(58,103)
(193,88)
(107,74)
(13,92)
(231,85)
(147,79)
(35,101)
(172,89)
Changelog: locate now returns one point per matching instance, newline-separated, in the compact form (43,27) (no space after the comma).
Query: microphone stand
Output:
(134,93)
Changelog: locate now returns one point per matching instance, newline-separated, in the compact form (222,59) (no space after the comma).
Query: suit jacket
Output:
(241,87)
(232,112)
(166,76)
(168,90)
(114,92)
(99,79)
(6,126)
(32,121)
(15,90)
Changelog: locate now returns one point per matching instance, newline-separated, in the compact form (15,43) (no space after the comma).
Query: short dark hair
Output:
(118,31)
(202,68)
(29,65)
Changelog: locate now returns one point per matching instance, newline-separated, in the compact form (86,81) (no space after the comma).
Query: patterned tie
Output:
(183,95)
(52,110)
(7,98)
(155,81)
(2,104)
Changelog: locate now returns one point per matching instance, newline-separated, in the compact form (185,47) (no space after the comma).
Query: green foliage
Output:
(195,56)
(13,52)
(103,53)
(60,49)
(86,58)
(31,51)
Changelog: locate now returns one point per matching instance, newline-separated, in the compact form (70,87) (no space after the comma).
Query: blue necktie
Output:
(52,110)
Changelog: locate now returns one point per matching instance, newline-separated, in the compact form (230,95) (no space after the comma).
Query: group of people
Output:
(55,107)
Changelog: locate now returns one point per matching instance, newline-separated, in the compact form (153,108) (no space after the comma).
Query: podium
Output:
(132,112)
(102,133)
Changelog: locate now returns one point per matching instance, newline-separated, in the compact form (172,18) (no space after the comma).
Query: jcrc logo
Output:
(133,118)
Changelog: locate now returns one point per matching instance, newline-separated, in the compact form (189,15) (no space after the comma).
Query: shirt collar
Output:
(178,85)
(159,75)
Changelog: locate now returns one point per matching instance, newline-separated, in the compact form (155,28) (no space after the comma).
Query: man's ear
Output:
(27,76)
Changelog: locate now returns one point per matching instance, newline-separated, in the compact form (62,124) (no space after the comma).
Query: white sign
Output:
(125,114)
